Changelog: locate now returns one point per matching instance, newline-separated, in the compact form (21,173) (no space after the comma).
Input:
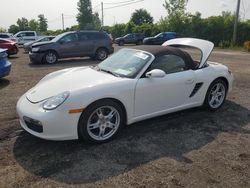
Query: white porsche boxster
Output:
(132,85)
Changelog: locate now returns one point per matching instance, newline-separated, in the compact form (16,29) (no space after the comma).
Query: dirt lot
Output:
(192,148)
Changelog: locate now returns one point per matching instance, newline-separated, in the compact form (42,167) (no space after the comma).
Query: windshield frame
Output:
(141,70)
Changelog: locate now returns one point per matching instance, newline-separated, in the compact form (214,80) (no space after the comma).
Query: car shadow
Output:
(75,162)
(13,57)
(67,62)
(4,83)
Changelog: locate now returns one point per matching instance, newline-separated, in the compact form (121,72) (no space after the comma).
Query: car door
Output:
(154,95)
(128,39)
(68,46)
(87,42)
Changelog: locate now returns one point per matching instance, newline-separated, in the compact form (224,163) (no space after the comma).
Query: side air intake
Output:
(196,89)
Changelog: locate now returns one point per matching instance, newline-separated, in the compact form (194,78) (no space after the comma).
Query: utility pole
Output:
(102,14)
(236,22)
(62,22)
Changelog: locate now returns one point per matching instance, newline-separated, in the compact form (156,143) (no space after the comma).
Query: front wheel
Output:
(50,57)
(101,54)
(216,95)
(101,121)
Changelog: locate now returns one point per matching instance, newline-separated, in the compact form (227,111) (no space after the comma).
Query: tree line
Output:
(23,24)
(218,29)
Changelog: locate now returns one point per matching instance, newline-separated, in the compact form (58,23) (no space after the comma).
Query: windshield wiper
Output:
(107,71)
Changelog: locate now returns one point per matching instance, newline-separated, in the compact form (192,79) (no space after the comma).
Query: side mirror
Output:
(156,73)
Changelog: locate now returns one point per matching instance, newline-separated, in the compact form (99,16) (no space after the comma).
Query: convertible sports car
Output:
(133,84)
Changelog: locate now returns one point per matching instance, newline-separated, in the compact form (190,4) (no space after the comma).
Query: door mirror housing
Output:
(156,73)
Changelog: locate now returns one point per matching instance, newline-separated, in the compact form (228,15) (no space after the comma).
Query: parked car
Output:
(94,44)
(132,38)
(8,36)
(132,85)
(5,65)
(28,46)
(11,46)
(25,36)
(160,38)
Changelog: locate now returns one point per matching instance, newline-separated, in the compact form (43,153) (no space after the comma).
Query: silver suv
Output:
(94,44)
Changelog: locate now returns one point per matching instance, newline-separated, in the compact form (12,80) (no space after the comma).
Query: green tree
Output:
(85,17)
(96,21)
(141,16)
(2,30)
(129,27)
(43,23)
(174,7)
(23,24)
(118,30)
(13,29)
(33,25)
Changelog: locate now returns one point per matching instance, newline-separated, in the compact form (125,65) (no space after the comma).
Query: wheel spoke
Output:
(111,114)
(219,94)
(111,125)
(101,132)
(212,100)
(94,125)
(99,113)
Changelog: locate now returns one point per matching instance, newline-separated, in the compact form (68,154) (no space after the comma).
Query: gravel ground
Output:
(192,148)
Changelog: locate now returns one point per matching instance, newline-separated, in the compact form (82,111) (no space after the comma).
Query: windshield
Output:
(159,35)
(58,37)
(126,62)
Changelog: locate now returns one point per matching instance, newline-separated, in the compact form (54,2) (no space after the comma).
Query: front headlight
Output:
(53,102)
(35,49)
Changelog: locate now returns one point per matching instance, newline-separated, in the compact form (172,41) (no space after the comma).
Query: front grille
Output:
(33,124)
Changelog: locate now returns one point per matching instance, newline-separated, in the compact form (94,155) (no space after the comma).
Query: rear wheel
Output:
(101,121)
(50,57)
(216,95)
(101,54)
(139,42)
(121,43)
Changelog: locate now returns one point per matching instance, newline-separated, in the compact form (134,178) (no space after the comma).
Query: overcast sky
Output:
(52,9)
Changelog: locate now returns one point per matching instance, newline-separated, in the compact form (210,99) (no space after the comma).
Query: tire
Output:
(101,54)
(50,57)
(139,42)
(216,95)
(94,124)
(121,43)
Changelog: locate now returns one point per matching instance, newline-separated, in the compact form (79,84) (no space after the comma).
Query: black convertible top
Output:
(168,50)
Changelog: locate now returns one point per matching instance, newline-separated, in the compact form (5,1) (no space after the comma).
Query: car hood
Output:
(119,38)
(149,38)
(68,80)
(36,44)
(28,43)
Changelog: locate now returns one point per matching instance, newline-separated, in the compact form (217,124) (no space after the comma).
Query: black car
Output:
(94,44)
(132,38)
(160,38)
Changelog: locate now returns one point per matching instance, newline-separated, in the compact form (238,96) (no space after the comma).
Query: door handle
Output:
(189,81)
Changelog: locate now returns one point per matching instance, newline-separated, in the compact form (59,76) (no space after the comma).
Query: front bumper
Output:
(36,57)
(57,124)
(13,50)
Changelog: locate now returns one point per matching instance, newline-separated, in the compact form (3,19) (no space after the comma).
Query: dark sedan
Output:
(160,38)
(132,38)
(11,46)
(28,46)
